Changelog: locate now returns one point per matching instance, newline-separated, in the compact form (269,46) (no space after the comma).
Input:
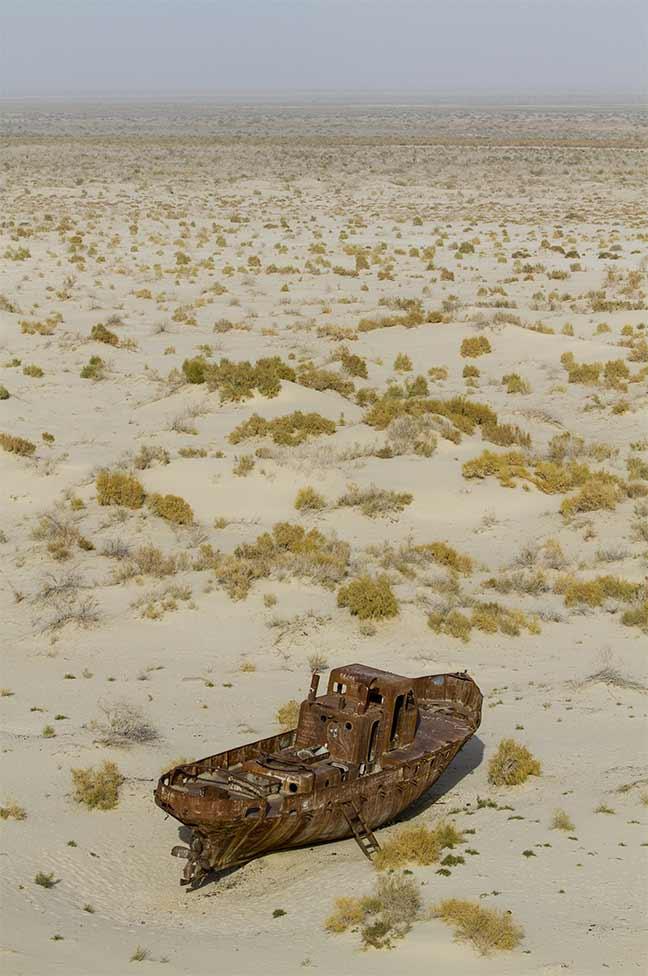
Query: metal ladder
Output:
(363,835)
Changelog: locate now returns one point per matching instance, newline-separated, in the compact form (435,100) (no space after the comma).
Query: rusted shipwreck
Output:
(361,753)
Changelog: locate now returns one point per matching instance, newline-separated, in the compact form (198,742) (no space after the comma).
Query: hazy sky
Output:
(472,46)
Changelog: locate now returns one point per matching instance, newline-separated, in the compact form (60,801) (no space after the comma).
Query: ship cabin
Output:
(364,715)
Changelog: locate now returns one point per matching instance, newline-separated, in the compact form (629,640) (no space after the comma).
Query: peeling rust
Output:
(361,753)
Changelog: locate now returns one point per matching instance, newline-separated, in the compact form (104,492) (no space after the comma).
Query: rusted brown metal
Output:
(361,753)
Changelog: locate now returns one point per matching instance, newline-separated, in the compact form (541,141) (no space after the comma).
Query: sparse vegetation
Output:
(512,764)
(17,445)
(384,916)
(119,488)
(290,430)
(369,598)
(288,714)
(485,928)
(97,788)
(173,508)
(416,845)
(309,500)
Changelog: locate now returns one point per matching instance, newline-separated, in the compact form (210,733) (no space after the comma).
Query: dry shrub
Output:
(287,715)
(475,346)
(412,435)
(309,500)
(94,369)
(12,811)
(487,929)
(122,725)
(148,561)
(562,821)
(445,555)
(465,415)
(512,764)
(596,489)
(369,598)
(516,384)
(100,333)
(384,916)
(600,492)
(490,618)
(287,550)
(354,365)
(416,845)
(119,488)
(324,379)
(637,617)
(173,508)
(375,502)
(17,445)
(289,430)
(348,912)
(148,454)
(154,605)
(594,592)
(244,466)
(97,788)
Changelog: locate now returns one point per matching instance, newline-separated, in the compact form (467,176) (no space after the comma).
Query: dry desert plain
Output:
(435,457)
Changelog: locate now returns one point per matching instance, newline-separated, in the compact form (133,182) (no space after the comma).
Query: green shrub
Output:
(97,788)
(512,764)
(173,508)
(118,488)
(238,381)
(4,392)
(369,598)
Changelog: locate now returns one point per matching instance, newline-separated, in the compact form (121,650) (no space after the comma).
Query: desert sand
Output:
(264,239)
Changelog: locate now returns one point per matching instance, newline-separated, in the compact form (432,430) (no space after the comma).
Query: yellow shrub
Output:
(512,764)
(416,845)
(17,445)
(369,598)
(173,508)
(288,714)
(476,346)
(309,500)
(118,488)
(488,930)
(97,788)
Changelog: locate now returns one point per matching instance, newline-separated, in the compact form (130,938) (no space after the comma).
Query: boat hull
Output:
(227,833)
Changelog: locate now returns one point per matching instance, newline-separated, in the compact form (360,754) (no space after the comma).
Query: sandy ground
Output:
(103,222)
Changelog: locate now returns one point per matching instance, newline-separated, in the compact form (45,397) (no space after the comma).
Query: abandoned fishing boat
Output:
(361,753)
